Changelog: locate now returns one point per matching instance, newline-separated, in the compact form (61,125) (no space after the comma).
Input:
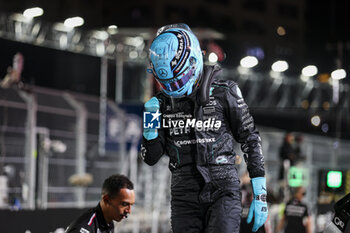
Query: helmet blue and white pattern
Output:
(176,61)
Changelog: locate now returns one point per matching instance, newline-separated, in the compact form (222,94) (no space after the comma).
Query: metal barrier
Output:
(46,136)
(12,140)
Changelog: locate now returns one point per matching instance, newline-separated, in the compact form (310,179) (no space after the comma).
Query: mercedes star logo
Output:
(163,73)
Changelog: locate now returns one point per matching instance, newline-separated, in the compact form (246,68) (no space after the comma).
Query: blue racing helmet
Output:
(176,60)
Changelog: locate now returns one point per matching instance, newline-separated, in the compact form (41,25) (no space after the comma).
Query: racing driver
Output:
(196,120)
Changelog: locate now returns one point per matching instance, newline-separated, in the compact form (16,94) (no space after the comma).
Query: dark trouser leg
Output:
(224,215)
(187,214)
(187,218)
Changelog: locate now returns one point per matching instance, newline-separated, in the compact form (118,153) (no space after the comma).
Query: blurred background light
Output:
(100,49)
(133,54)
(325,128)
(76,38)
(280,66)
(243,70)
(281,31)
(20,18)
(326,105)
(213,58)
(315,120)
(136,41)
(338,74)
(305,104)
(275,75)
(249,61)
(33,12)
(304,78)
(74,22)
(112,29)
(309,71)
(213,47)
(101,35)
(257,52)
(110,48)
(334,179)
(63,41)
(61,27)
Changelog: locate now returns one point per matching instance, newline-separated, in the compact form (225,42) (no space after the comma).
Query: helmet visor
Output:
(176,83)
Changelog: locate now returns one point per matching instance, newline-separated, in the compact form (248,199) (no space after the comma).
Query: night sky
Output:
(327,24)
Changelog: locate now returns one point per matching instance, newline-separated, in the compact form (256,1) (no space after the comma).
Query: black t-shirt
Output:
(92,221)
(294,214)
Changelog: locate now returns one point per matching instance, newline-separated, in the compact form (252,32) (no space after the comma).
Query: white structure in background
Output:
(337,75)
(3,191)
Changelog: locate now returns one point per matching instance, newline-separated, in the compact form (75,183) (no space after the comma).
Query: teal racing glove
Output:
(258,208)
(151,106)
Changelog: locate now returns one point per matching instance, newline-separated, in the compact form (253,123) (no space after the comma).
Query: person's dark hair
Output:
(112,185)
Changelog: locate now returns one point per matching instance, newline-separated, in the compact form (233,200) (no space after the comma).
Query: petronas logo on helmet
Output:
(182,53)
(180,49)
(177,56)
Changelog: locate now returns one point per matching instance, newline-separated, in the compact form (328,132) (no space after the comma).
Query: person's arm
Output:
(308,225)
(244,132)
(280,225)
(152,150)
(308,222)
(152,147)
